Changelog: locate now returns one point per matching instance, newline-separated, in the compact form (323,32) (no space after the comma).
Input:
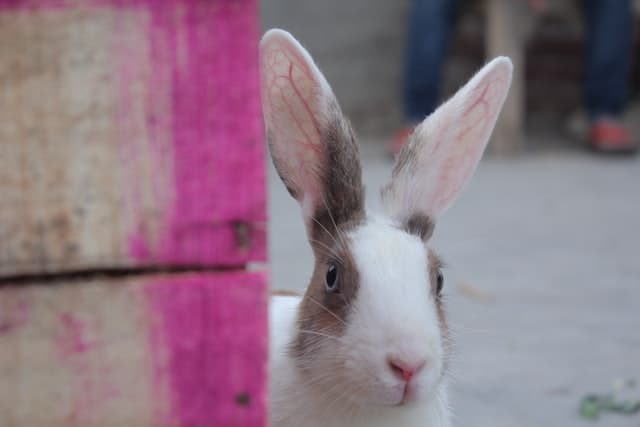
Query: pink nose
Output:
(405,370)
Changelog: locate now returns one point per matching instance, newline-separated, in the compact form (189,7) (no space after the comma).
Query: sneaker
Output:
(398,140)
(610,136)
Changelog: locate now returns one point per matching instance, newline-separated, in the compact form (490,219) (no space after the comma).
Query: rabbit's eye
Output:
(331,279)
(439,282)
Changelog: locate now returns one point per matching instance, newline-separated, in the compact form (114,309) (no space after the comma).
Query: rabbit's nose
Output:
(405,370)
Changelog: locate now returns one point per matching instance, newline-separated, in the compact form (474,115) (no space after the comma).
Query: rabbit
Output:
(367,343)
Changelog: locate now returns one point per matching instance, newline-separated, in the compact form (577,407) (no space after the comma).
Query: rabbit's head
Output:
(371,329)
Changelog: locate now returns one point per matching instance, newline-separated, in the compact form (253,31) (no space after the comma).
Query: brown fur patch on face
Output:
(419,225)
(340,211)
(435,267)
(322,311)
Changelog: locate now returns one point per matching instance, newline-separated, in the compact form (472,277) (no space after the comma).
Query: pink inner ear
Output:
(480,109)
(292,96)
(483,105)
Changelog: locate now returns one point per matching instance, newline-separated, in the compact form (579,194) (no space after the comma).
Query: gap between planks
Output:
(55,278)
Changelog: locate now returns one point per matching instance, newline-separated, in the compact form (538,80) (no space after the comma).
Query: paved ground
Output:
(543,282)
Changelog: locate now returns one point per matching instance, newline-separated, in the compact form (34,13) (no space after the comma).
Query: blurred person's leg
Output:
(430,27)
(608,56)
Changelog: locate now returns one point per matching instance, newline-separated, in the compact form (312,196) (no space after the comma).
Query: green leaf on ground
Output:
(593,405)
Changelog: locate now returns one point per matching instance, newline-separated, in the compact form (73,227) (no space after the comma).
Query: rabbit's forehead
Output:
(390,259)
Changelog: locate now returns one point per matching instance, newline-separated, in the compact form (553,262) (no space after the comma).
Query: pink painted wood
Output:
(172,350)
(198,341)
(215,332)
(186,136)
(217,130)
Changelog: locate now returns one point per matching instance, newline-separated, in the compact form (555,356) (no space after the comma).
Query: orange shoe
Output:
(610,136)
(398,140)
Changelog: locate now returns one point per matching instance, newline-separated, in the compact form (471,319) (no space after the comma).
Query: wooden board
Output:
(130,135)
(166,350)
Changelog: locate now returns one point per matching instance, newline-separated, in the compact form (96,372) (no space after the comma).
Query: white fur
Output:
(394,314)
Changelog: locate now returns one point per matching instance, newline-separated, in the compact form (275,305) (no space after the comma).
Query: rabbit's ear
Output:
(312,145)
(444,150)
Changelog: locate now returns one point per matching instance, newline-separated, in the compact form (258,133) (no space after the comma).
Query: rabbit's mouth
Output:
(393,394)
(408,393)
(400,392)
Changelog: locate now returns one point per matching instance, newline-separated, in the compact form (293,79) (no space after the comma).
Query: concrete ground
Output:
(542,282)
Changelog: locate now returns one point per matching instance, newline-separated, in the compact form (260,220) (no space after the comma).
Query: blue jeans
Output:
(430,26)
(608,55)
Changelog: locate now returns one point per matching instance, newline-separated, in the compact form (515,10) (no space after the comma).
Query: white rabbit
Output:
(367,343)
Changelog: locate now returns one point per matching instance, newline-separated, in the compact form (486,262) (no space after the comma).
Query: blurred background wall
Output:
(359,44)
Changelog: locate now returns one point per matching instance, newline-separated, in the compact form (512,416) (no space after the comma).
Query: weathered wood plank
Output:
(167,350)
(130,134)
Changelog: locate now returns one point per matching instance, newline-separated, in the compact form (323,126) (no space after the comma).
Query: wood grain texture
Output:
(130,135)
(162,351)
